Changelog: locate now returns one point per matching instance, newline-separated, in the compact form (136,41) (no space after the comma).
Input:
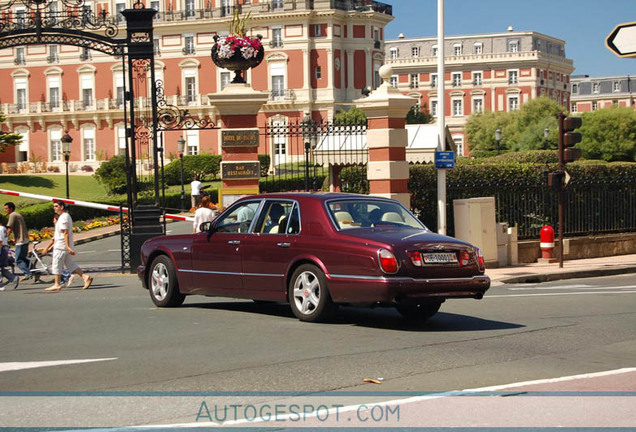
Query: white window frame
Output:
(318,30)
(393,53)
(55,145)
(513,102)
(477,78)
(434,51)
(54,81)
(21,92)
(277,36)
(596,88)
(87,83)
(478,48)
(89,147)
(456,79)
(415,51)
(459,144)
(616,86)
(434,106)
(278,69)
(192,142)
(457,104)
(120,139)
(394,81)
(414,80)
(574,107)
(434,82)
(477,104)
(225,77)
(513,46)
(458,49)
(513,76)
(575,89)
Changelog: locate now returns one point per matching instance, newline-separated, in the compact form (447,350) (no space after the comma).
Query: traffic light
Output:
(568,139)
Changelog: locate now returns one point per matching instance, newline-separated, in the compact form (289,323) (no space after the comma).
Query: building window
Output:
(277,37)
(21,99)
(541,77)
(595,87)
(459,144)
(189,45)
(415,51)
(433,80)
(189,9)
(457,79)
(56,148)
(457,49)
(20,58)
(192,142)
(89,144)
(434,51)
(318,72)
(156,47)
(513,103)
(54,97)
(394,81)
(575,88)
(119,7)
(478,48)
(225,79)
(574,108)
(87,97)
(513,77)
(277,4)
(191,90)
(317,30)
(477,78)
(458,107)
(53,56)
(616,86)
(415,81)
(86,54)
(594,106)
(434,107)
(278,81)
(393,53)
(513,46)
(478,105)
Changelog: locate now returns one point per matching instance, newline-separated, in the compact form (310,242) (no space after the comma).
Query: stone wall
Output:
(583,247)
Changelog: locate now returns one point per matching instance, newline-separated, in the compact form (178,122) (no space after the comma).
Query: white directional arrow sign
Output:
(622,40)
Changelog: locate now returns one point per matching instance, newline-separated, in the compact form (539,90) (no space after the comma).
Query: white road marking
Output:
(559,294)
(13,366)
(571,287)
(399,401)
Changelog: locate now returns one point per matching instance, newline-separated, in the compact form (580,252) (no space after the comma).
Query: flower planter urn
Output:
(228,55)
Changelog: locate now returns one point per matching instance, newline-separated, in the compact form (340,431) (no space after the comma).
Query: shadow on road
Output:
(380,318)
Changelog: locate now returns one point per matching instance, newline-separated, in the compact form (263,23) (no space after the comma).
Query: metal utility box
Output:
(475,223)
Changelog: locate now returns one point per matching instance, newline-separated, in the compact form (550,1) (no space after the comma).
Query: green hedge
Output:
(289,184)
(203,166)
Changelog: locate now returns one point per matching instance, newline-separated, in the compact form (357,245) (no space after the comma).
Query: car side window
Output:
(239,219)
(273,219)
(293,226)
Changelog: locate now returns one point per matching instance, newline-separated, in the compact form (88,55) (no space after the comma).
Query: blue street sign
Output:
(444,159)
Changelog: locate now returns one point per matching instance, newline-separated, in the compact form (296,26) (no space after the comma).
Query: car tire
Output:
(163,284)
(309,296)
(418,311)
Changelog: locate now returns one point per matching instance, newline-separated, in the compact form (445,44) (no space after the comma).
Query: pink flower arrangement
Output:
(247,45)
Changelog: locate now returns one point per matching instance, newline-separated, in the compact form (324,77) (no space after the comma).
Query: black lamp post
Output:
(66,150)
(309,138)
(498,140)
(546,133)
(181,147)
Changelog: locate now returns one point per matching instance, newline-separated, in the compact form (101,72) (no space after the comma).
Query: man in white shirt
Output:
(63,249)
(195,192)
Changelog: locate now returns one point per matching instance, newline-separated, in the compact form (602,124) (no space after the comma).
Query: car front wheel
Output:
(163,285)
(418,311)
(309,296)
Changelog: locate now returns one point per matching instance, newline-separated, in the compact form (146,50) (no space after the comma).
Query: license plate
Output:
(440,258)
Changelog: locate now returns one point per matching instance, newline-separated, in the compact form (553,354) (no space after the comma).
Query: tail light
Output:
(416,258)
(388,262)
(464,258)
(480,259)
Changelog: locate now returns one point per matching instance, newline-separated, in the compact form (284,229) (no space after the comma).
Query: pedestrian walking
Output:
(67,278)
(17,227)
(63,249)
(195,192)
(204,213)
(4,259)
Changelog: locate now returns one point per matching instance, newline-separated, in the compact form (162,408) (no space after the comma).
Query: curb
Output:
(96,237)
(574,274)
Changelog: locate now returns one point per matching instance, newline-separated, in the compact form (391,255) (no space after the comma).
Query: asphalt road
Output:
(517,333)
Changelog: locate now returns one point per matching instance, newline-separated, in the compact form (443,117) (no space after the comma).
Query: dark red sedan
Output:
(315,251)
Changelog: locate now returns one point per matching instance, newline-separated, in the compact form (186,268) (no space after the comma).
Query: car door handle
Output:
(234,242)
(285,245)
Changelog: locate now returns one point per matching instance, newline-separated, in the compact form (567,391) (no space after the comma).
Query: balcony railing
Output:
(362,5)
(282,95)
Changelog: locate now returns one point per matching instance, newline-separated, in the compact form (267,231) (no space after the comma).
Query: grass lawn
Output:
(81,188)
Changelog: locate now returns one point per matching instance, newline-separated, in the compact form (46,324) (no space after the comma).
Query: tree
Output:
(609,134)
(521,130)
(8,139)
(417,116)
(353,116)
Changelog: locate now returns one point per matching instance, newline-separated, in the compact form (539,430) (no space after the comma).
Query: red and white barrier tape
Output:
(84,203)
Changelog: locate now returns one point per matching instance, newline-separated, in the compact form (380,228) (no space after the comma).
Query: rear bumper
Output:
(387,289)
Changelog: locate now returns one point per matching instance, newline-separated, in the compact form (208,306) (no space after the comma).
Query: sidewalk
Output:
(522,273)
(589,267)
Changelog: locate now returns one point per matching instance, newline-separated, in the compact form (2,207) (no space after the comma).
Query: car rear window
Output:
(351,214)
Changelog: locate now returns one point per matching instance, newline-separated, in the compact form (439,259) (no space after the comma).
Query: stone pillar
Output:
(237,106)
(386,109)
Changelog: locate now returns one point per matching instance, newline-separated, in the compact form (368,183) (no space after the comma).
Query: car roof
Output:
(318,196)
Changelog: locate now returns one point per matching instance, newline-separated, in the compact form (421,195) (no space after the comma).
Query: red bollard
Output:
(547,241)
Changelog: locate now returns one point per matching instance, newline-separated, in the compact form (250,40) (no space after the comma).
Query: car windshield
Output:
(349,214)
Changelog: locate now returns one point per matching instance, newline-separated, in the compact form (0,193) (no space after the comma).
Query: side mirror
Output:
(205,227)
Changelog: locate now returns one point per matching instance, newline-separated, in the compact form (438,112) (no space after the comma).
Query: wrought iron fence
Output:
(304,152)
(593,208)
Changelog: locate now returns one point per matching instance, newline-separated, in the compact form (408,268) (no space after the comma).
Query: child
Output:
(4,259)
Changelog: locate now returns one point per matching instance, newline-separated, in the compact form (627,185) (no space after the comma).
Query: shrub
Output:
(265,160)
(203,166)
(112,174)
(87,168)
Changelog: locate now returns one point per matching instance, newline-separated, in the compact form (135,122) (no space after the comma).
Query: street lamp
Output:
(66,150)
(546,133)
(498,140)
(309,138)
(181,147)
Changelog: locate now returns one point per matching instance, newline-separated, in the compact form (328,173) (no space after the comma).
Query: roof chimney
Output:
(510,29)
(401,36)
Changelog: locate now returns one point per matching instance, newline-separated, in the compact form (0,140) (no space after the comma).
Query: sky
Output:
(582,24)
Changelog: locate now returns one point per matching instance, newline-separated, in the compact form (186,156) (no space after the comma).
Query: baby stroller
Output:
(7,263)
(36,265)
